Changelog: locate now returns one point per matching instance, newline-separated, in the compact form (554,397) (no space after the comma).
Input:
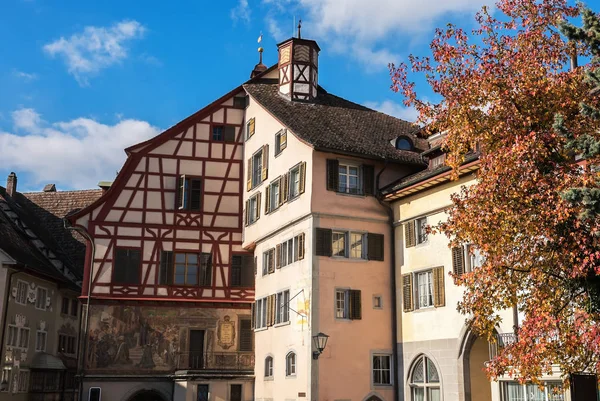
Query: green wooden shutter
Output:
(355,305)
(375,246)
(333,177)
(458,261)
(369,179)
(323,241)
(407,292)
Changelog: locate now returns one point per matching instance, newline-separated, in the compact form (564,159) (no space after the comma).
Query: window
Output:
(274,196)
(348,304)
(192,269)
(253,209)
(282,311)
(415,232)
(437,161)
(44,381)
(66,344)
(425,381)
(465,259)
(189,196)
(223,133)
(268,262)
(74,307)
(245,335)
(369,246)
(257,167)
(269,366)
(403,143)
(127,266)
(5,379)
(64,308)
(382,370)
(12,336)
(280,141)
(96,392)
(23,337)
(377,302)
(235,392)
(240,102)
(350,178)
(294,182)
(22,381)
(250,128)
(242,271)
(513,391)
(261,313)
(40,340)
(22,289)
(426,288)
(290,251)
(290,364)
(40,299)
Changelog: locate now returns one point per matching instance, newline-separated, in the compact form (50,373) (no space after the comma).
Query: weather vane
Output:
(299,27)
(260,49)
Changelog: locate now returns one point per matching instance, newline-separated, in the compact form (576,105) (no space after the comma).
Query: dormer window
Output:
(403,143)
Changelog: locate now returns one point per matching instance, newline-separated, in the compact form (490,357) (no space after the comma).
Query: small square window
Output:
(342,303)
(377,302)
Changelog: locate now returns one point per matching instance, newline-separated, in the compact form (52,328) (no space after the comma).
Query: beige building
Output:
(438,357)
(41,272)
(320,237)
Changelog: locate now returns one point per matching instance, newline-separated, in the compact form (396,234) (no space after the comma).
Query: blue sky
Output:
(80,81)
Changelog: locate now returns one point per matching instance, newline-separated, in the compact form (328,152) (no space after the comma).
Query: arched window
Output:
(425,381)
(269,366)
(403,143)
(290,364)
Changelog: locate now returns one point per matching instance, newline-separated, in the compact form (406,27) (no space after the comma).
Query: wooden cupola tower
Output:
(298,68)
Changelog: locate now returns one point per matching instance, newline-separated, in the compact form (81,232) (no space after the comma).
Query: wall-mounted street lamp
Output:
(320,341)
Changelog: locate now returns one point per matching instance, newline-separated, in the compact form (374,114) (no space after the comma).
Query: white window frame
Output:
(336,235)
(425,385)
(294,189)
(39,298)
(473,259)
(290,364)
(421,235)
(253,209)
(342,303)
(23,338)
(257,167)
(547,393)
(363,245)
(12,335)
(427,285)
(274,189)
(22,381)
(282,311)
(38,345)
(6,376)
(345,179)
(389,369)
(260,321)
(25,289)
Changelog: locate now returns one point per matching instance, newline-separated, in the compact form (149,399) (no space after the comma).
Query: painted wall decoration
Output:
(145,339)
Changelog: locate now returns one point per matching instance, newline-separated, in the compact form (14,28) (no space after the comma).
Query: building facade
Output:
(439,358)
(170,286)
(41,272)
(321,238)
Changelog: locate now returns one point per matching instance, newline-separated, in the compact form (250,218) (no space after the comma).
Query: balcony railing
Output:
(226,361)
(502,340)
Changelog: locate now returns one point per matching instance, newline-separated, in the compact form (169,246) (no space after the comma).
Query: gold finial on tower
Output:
(299,27)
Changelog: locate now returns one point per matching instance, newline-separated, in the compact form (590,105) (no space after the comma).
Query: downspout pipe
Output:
(390,212)
(82,343)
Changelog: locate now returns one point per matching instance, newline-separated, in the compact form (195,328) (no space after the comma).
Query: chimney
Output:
(50,188)
(105,185)
(11,184)
(298,67)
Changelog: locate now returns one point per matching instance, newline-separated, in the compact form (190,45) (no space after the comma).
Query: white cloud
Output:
(96,48)
(25,76)
(368,29)
(76,153)
(241,11)
(394,109)
(274,29)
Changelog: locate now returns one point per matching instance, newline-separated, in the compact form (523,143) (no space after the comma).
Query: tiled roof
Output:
(49,209)
(331,123)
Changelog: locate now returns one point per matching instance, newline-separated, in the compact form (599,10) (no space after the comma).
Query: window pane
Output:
(432,373)
(339,244)
(418,394)
(555,392)
(434,394)
(534,393)
(180,258)
(418,372)
(340,304)
(356,240)
(192,259)
(513,392)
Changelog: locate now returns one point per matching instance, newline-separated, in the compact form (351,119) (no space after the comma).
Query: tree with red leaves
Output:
(507,88)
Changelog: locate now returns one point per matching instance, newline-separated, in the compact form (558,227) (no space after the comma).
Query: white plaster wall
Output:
(277,341)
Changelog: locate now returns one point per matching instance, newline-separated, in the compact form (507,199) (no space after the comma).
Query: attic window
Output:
(403,143)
